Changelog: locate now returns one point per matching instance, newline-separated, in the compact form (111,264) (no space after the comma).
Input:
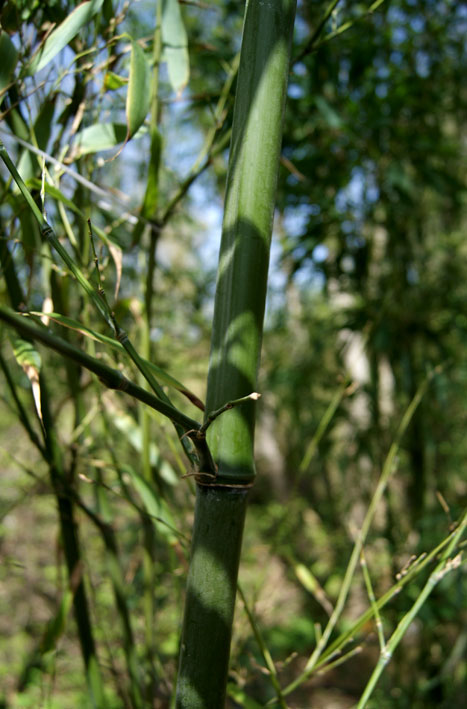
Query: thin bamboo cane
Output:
(68,528)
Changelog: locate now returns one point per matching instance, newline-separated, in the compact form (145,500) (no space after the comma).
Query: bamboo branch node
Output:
(254,396)
(47,232)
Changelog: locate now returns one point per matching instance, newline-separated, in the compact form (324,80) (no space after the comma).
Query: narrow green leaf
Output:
(30,360)
(100,136)
(113,81)
(332,118)
(26,355)
(28,163)
(175,43)
(56,194)
(162,376)
(138,97)
(311,584)
(8,59)
(56,626)
(133,433)
(65,32)
(155,506)
(151,196)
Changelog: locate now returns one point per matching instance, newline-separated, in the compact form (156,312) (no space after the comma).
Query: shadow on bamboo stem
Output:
(210,603)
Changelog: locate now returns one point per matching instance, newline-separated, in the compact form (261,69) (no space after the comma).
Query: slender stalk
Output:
(374,605)
(149,211)
(268,661)
(61,483)
(235,351)
(310,45)
(386,473)
(71,547)
(445,566)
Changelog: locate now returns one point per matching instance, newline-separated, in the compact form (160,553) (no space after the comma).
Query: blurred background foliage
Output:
(368,293)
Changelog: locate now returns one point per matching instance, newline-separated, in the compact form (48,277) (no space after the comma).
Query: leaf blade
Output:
(138,96)
(64,33)
(160,374)
(175,43)
(8,60)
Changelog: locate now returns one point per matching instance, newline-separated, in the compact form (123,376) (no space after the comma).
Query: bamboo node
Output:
(242,486)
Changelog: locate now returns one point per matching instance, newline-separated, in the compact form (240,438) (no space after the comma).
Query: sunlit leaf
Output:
(113,81)
(26,355)
(65,32)
(117,255)
(138,97)
(29,359)
(100,136)
(312,585)
(175,43)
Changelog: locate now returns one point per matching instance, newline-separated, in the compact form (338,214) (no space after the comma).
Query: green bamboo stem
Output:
(235,351)
(149,211)
(374,605)
(210,601)
(246,233)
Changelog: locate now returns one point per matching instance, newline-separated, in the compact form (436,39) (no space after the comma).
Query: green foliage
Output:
(106,119)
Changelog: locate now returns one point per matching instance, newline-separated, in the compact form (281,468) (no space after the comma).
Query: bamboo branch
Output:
(111,378)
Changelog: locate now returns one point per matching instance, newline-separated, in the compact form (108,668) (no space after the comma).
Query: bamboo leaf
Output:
(117,255)
(26,355)
(28,163)
(163,376)
(64,33)
(311,584)
(113,82)
(155,506)
(8,60)
(138,97)
(175,42)
(56,194)
(100,136)
(30,360)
